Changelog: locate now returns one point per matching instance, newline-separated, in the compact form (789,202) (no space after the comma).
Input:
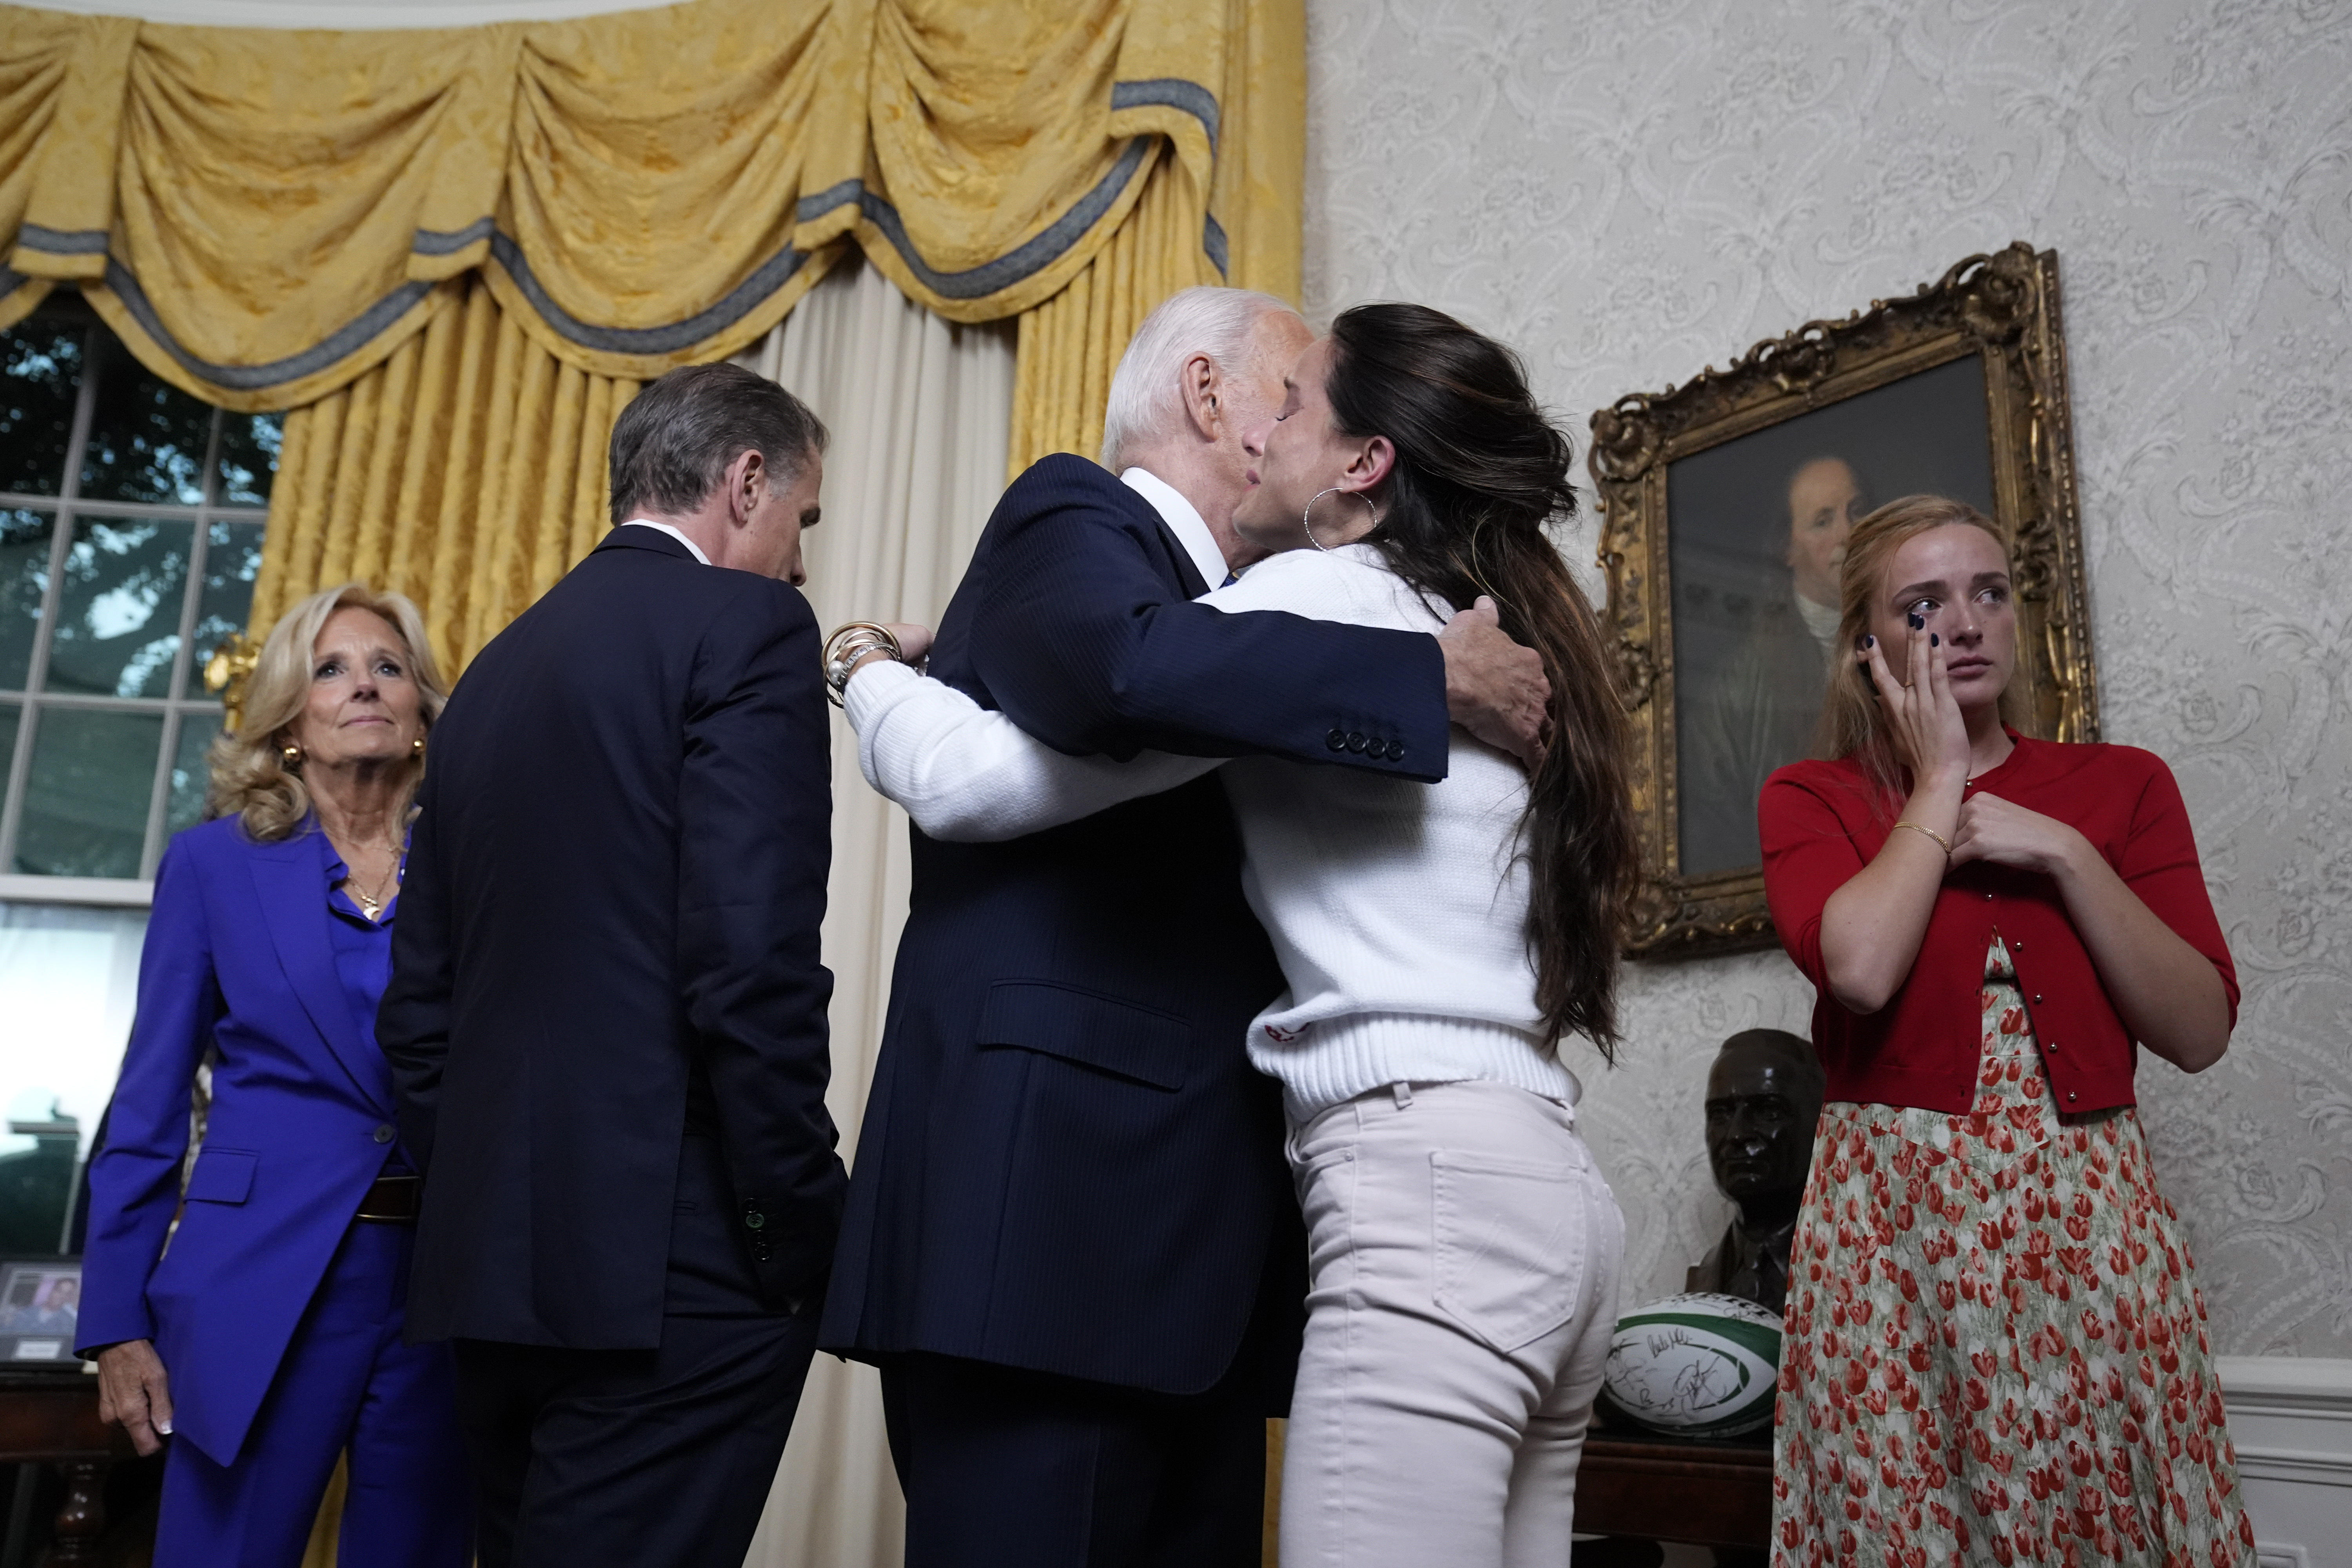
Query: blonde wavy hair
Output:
(1851,725)
(249,775)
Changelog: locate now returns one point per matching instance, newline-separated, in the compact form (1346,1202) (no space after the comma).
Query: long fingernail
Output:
(1915,622)
(1933,640)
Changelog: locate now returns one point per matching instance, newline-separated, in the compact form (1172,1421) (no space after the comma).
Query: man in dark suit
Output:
(607,1016)
(1071,1244)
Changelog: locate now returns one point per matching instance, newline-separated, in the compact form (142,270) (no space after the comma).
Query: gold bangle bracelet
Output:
(1941,842)
(850,642)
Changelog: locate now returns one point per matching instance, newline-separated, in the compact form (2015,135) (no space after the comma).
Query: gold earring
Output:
(416,747)
(291,754)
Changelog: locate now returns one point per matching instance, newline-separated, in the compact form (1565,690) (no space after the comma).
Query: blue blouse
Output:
(362,947)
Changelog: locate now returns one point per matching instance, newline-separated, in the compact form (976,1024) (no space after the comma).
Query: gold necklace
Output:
(370,904)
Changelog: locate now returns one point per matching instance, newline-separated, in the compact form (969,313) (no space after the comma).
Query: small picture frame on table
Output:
(40,1309)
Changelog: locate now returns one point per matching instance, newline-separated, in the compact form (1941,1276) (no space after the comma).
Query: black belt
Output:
(391,1200)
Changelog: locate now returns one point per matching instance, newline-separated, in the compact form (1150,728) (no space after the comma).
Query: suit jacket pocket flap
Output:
(1095,1031)
(221,1177)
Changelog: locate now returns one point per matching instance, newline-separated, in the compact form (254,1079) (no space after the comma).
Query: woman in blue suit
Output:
(249,1306)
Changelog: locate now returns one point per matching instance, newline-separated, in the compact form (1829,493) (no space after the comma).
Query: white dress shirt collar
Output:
(674,533)
(1183,521)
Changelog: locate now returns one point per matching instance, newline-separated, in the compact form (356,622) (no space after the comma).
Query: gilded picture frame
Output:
(1897,383)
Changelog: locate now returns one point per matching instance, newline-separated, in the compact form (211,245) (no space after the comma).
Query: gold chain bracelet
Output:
(1941,842)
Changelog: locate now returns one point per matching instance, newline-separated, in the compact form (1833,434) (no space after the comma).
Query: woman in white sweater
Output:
(1438,942)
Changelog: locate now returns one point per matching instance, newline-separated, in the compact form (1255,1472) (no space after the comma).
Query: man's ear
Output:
(1203,389)
(745,476)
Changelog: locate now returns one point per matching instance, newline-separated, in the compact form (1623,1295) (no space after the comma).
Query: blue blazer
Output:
(238,957)
(1068,1163)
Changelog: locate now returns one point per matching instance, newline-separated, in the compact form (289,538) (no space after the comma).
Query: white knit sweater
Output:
(1398,909)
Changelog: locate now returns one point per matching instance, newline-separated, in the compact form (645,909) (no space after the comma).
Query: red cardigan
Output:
(1921,1050)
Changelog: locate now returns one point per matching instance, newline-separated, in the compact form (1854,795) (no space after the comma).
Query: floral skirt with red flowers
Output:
(1995,1351)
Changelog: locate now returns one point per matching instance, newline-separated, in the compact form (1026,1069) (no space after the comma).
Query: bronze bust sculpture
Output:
(1763,1101)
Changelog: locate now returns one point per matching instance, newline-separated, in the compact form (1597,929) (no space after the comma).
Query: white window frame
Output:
(64,508)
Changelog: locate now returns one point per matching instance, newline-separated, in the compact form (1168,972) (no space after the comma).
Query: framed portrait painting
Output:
(1726,506)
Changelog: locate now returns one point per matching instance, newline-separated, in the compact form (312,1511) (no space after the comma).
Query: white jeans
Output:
(1464,1255)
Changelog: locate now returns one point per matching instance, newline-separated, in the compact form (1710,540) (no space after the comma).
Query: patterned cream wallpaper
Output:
(1630,191)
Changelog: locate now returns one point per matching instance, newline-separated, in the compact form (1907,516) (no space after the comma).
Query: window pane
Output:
(232,558)
(248,458)
(40,371)
(146,437)
(7,738)
(189,773)
(119,617)
(23,578)
(69,979)
(86,796)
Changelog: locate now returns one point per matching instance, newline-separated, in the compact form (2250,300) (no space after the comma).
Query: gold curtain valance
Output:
(265,214)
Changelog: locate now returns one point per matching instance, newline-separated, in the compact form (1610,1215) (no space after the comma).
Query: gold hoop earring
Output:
(1306,518)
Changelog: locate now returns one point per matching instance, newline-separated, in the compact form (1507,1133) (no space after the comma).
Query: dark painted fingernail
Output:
(1915,622)
(1933,640)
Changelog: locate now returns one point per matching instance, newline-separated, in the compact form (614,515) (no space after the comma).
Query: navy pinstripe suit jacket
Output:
(1068,1163)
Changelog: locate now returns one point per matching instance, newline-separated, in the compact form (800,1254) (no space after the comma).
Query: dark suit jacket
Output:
(1067,1162)
(237,958)
(608,929)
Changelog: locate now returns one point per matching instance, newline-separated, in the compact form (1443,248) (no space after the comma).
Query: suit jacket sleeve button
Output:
(1396,751)
(1356,741)
(1337,739)
(383,1134)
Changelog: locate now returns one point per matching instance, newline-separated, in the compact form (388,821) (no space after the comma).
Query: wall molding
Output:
(2290,1422)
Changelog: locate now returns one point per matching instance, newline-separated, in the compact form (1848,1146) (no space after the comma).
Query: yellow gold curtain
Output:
(454,254)
(1070,343)
(264,215)
(467,471)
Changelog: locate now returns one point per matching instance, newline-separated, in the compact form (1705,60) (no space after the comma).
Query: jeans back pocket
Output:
(1509,1244)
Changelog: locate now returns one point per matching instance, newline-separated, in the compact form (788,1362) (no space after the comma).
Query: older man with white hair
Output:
(1071,1243)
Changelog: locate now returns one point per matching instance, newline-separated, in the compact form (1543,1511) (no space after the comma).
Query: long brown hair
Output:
(1479,472)
(1851,724)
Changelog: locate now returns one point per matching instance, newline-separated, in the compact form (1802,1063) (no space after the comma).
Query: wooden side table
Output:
(1672,1489)
(51,1417)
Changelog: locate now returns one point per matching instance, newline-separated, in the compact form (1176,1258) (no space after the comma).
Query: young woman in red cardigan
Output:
(1995,1348)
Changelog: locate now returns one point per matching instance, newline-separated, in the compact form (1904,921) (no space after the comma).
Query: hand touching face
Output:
(1950,586)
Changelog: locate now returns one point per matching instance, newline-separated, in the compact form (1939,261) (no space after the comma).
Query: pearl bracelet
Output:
(850,642)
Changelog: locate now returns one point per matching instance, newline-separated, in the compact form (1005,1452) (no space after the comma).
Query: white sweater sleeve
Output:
(971,775)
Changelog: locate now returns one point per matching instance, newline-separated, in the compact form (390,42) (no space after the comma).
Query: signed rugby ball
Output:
(1700,1365)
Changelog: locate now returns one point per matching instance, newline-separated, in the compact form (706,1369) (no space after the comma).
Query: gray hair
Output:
(1147,391)
(672,444)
